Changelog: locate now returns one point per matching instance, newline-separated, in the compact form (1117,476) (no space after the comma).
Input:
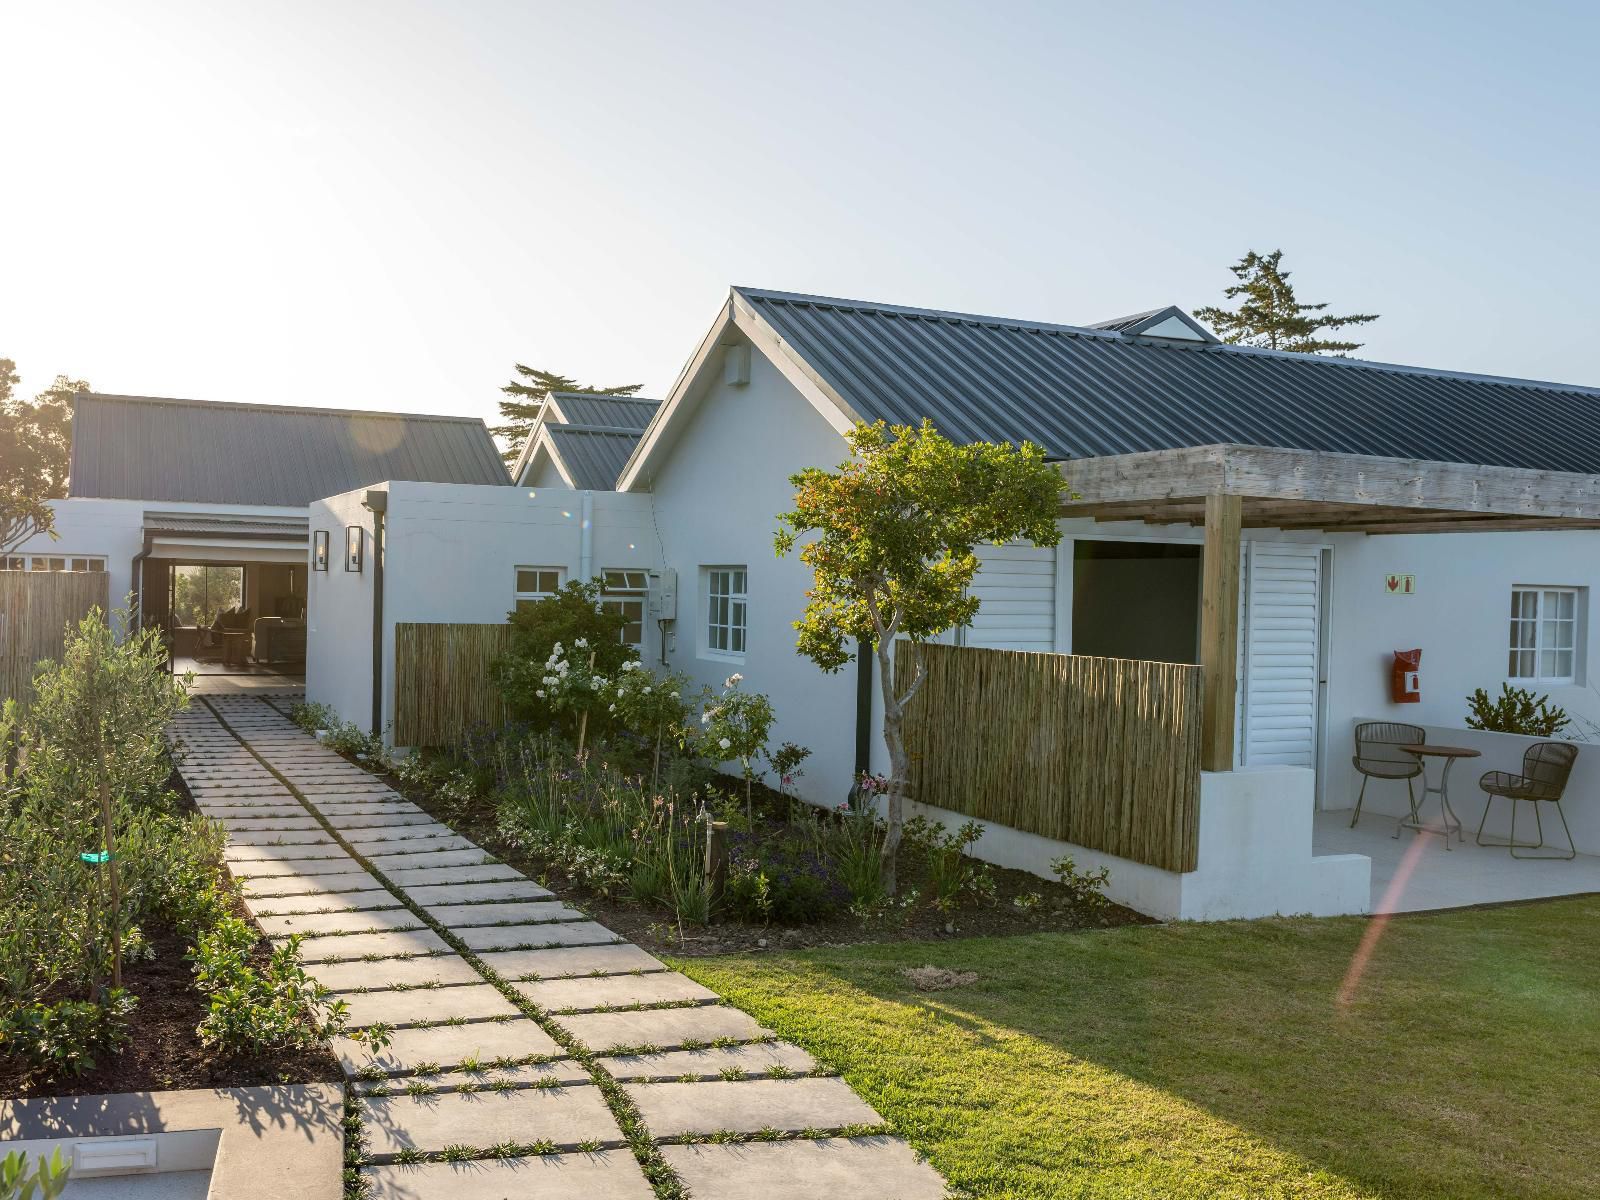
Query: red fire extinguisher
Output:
(1405,686)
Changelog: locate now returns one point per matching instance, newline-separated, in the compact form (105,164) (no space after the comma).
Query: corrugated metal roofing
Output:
(593,457)
(189,525)
(149,448)
(620,412)
(1084,393)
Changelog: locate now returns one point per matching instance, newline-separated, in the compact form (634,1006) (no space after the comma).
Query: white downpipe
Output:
(586,537)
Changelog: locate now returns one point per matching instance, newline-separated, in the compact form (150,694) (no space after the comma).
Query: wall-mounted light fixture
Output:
(319,550)
(352,548)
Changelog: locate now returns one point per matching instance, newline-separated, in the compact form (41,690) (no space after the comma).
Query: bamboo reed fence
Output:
(442,688)
(36,608)
(1100,752)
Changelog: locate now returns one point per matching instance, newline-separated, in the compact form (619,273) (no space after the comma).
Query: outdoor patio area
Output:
(1415,873)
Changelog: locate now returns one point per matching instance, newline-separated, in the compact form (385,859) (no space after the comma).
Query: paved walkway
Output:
(525,1035)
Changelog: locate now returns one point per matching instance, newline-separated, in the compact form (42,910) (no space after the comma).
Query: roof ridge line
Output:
(313,409)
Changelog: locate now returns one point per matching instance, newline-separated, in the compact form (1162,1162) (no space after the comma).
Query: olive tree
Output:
(890,537)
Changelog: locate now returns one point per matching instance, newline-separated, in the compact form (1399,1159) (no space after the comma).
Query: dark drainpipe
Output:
(137,583)
(864,666)
(377,502)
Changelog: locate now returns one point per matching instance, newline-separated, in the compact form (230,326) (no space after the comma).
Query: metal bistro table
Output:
(1447,814)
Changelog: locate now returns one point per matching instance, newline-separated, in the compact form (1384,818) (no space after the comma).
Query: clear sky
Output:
(376,204)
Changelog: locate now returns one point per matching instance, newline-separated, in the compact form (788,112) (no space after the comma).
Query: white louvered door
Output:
(1278,705)
(1016,591)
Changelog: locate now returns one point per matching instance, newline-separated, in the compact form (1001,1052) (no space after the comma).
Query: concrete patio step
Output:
(663,1028)
(615,991)
(606,1175)
(569,961)
(568,1117)
(755,1060)
(446,970)
(446,1047)
(417,1006)
(872,1168)
(477,893)
(749,1106)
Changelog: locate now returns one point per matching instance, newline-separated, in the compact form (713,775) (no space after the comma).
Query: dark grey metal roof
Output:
(149,448)
(182,525)
(593,457)
(1143,322)
(620,412)
(1083,393)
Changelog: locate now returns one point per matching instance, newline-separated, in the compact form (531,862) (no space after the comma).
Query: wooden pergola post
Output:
(1219,630)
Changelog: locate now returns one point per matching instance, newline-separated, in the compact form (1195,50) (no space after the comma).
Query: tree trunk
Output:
(109,845)
(893,719)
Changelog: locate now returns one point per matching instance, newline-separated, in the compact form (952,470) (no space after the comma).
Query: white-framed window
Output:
(727,610)
(51,562)
(624,590)
(1544,634)
(534,584)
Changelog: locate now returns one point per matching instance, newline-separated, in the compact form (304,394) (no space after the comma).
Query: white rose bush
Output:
(736,724)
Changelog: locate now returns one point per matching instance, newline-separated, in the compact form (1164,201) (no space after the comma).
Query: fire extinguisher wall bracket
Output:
(1405,677)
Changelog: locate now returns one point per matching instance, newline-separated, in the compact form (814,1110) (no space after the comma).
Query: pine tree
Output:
(528,395)
(1271,317)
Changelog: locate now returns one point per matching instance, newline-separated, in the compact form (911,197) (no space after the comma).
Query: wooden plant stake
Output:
(583,721)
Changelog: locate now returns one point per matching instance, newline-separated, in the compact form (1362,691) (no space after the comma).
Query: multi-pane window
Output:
(50,562)
(537,583)
(200,592)
(624,591)
(727,602)
(1544,634)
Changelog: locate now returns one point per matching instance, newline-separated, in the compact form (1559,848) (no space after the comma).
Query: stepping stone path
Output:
(506,1008)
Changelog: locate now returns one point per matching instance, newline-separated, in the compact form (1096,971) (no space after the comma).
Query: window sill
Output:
(721,656)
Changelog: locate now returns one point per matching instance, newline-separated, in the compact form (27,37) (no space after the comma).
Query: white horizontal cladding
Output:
(1282,610)
(1016,592)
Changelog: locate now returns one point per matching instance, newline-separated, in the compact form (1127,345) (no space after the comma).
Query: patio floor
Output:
(1415,873)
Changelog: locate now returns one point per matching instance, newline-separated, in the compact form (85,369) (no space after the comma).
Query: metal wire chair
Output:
(1378,756)
(1546,767)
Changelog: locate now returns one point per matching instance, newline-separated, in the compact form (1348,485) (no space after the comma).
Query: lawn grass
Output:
(1219,1060)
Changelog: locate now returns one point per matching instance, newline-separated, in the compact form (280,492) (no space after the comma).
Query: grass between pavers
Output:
(662,1178)
(1227,1060)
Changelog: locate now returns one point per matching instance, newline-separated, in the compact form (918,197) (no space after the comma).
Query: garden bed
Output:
(1056,909)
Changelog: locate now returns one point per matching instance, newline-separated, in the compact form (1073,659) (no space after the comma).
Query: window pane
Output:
(97,564)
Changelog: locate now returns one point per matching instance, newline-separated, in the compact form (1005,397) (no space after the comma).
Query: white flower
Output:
(598,682)
(622,691)
(555,651)
(631,665)
(540,693)
(580,643)
(724,744)
(613,708)
(705,718)
(733,680)
(646,691)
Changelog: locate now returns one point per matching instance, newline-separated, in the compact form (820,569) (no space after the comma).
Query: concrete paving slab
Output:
(566,961)
(268,854)
(477,893)
(748,1106)
(417,1006)
(875,1168)
(291,819)
(312,835)
(563,1070)
(663,1028)
(360,945)
(566,1116)
(349,823)
(308,885)
(449,1046)
(415,877)
(337,808)
(401,831)
(317,925)
(320,902)
(447,970)
(753,1060)
(535,937)
(607,1175)
(616,991)
(295,867)
(392,850)
(512,912)
(445,858)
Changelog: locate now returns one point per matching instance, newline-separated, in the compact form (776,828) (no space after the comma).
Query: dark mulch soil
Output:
(164,1052)
(655,930)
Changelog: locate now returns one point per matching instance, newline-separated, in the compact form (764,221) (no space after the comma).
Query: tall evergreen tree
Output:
(1269,315)
(527,397)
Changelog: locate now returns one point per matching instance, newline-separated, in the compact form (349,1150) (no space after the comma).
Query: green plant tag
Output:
(95,857)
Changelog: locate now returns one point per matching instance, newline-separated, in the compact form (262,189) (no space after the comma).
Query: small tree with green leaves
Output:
(1271,316)
(736,724)
(891,538)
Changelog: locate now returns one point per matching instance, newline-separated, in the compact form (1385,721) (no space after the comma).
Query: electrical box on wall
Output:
(663,597)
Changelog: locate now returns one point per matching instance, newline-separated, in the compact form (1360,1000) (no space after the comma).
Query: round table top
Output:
(1423,748)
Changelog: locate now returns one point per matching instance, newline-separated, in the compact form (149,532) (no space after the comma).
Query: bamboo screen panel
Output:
(442,688)
(36,607)
(1100,752)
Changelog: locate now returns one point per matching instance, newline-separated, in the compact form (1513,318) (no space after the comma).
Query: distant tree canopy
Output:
(1269,314)
(35,449)
(528,394)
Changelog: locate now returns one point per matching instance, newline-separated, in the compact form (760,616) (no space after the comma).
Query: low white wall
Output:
(1501,752)
(1254,859)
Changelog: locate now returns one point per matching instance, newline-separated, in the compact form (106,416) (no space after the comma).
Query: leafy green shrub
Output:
(66,1037)
(250,1009)
(1515,710)
(313,717)
(46,1181)
(1086,888)
(786,881)
(856,847)
(571,615)
(736,724)
(952,875)
(654,708)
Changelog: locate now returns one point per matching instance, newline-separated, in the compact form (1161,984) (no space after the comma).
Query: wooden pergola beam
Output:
(1219,630)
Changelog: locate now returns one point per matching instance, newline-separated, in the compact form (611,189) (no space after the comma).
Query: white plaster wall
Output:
(451,553)
(1459,616)
(717,495)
